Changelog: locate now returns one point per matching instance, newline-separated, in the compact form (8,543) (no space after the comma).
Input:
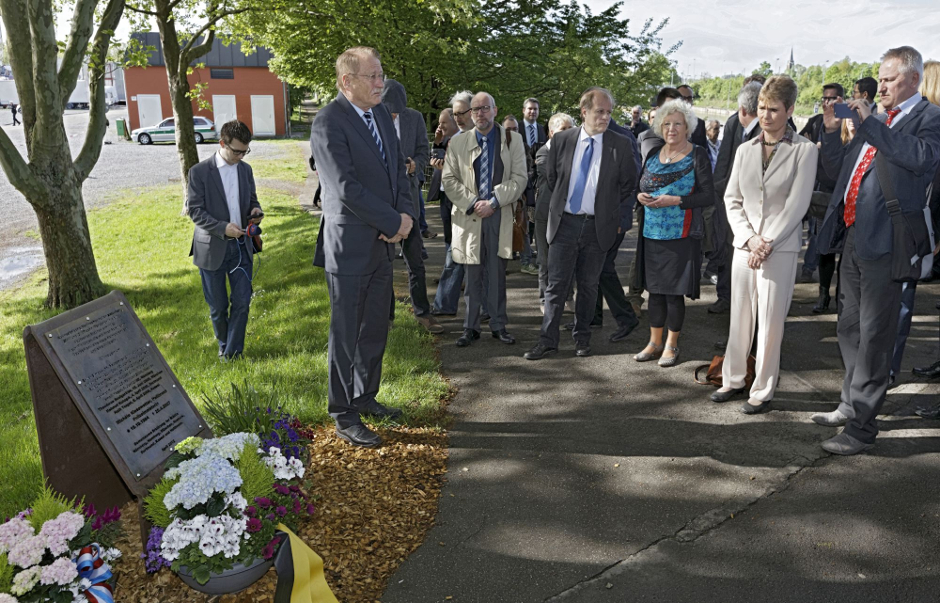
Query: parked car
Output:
(165,131)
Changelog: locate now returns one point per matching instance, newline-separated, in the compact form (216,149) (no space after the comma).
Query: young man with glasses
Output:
(221,202)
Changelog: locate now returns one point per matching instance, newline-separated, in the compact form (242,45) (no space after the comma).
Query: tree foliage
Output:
(549,49)
(809,80)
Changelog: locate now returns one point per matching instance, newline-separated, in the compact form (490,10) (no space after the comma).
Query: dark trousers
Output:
(869,306)
(541,247)
(611,290)
(908,291)
(358,333)
(229,313)
(486,281)
(411,249)
(574,256)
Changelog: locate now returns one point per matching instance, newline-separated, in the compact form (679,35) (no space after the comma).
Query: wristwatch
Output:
(494,203)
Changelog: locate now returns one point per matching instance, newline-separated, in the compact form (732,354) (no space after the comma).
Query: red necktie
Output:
(859,173)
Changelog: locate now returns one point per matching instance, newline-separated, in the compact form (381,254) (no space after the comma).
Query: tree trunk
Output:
(183,114)
(73,273)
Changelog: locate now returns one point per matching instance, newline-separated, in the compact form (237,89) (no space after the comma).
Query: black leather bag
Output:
(910,237)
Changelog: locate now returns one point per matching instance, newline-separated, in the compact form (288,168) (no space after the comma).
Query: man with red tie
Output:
(907,138)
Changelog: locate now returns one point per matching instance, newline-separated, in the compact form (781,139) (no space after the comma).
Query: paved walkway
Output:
(603,480)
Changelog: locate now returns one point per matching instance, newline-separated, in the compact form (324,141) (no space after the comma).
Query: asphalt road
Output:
(604,480)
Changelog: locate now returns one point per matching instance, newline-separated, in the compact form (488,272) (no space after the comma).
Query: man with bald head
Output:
(484,175)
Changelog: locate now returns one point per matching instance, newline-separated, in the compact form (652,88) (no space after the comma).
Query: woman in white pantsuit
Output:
(767,196)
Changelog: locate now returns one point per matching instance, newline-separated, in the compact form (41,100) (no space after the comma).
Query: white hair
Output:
(747,98)
(671,107)
(556,121)
(464,96)
(911,60)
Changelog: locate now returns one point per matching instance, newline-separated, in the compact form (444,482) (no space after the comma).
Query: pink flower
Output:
(28,552)
(61,572)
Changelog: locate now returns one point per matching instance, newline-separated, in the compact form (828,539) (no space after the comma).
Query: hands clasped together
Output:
(760,249)
(403,230)
(657,202)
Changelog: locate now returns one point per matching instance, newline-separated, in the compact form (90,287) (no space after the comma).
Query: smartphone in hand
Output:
(842,111)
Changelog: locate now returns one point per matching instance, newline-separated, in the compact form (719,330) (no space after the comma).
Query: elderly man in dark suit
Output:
(413,136)
(739,128)
(906,137)
(592,176)
(367,209)
(221,201)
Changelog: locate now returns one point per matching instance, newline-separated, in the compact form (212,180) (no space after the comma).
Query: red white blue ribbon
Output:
(92,567)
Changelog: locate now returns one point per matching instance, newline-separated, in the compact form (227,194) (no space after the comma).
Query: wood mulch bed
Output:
(373,508)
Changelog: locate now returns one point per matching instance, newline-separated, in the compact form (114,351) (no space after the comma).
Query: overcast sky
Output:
(734,36)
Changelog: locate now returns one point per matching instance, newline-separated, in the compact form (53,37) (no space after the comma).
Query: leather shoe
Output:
(830,419)
(467,338)
(582,350)
(750,409)
(504,336)
(845,445)
(359,435)
(380,410)
(822,305)
(430,325)
(539,351)
(436,312)
(928,372)
(725,395)
(622,332)
(722,306)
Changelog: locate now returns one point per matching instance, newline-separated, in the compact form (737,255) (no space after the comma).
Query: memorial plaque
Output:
(107,404)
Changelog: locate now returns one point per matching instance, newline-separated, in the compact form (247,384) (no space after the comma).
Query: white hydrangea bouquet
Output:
(205,511)
(58,550)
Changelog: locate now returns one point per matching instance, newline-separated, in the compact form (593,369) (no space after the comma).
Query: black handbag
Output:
(910,240)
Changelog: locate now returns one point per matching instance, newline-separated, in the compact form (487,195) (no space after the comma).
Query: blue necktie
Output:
(581,182)
(531,135)
(375,135)
(484,170)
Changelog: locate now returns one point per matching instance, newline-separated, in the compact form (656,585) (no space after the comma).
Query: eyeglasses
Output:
(236,151)
(374,77)
(688,99)
(828,99)
(461,113)
(482,109)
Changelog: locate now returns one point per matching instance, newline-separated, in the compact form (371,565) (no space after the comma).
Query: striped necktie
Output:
(531,129)
(484,170)
(375,135)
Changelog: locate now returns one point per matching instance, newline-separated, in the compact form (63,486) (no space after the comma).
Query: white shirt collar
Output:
(222,163)
(750,127)
(598,138)
(528,123)
(360,111)
(909,104)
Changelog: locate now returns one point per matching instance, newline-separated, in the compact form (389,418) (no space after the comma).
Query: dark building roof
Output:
(220,55)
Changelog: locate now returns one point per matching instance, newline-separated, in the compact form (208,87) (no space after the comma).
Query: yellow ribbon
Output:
(309,582)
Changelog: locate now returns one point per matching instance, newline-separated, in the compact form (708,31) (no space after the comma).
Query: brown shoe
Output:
(430,325)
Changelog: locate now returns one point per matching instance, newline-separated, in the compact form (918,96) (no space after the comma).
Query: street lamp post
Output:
(825,69)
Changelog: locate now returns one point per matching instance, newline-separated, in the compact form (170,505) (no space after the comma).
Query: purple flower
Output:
(268,551)
(153,560)
(90,511)
(251,511)
(281,489)
(254,525)
(263,502)
(298,506)
(281,510)
(310,509)
(295,488)
(271,517)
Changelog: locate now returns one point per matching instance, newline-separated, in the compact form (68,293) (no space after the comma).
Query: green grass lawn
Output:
(142,246)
